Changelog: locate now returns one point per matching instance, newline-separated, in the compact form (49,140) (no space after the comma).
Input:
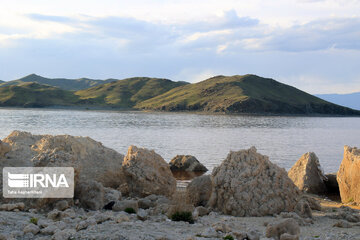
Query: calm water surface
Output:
(208,137)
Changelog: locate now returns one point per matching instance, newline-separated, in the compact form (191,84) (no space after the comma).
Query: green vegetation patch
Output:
(130,210)
(183,216)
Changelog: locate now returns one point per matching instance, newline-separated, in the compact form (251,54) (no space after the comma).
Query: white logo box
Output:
(38,182)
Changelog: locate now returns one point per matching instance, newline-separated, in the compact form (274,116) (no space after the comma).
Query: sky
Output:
(313,45)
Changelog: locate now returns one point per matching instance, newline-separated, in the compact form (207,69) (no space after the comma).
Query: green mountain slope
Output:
(63,83)
(128,92)
(242,94)
(36,95)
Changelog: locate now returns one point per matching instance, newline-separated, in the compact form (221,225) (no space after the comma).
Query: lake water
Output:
(208,137)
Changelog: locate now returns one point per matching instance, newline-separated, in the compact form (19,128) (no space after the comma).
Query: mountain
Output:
(36,95)
(248,94)
(63,83)
(242,94)
(351,100)
(127,92)
(1,81)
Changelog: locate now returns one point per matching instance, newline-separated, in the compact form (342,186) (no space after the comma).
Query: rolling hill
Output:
(242,94)
(36,95)
(128,92)
(63,83)
(351,100)
(248,94)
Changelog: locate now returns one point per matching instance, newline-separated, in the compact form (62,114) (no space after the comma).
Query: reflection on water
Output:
(207,137)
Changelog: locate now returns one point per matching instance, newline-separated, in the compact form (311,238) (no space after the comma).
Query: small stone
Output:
(43,223)
(201,211)
(49,230)
(62,205)
(85,224)
(122,217)
(142,214)
(209,233)
(342,224)
(101,217)
(31,228)
(221,227)
(287,236)
(54,215)
(68,213)
(12,206)
(64,234)
(111,195)
(288,225)
(253,235)
(303,209)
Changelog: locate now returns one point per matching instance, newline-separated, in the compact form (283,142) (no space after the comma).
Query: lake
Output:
(208,137)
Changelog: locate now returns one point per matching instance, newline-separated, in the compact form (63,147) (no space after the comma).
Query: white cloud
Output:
(294,41)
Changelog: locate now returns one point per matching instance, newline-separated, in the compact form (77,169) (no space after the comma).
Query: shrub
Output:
(229,237)
(130,210)
(183,216)
(34,220)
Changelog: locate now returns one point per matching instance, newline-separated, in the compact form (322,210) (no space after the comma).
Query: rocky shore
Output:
(136,196)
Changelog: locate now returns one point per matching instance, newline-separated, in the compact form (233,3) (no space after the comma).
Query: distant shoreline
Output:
(115,109)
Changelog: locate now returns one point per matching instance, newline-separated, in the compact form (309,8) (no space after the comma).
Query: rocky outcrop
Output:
(199,190)
(146,173)
(348,176)
(90,159)
(186,163)
(248,184)
(308,175)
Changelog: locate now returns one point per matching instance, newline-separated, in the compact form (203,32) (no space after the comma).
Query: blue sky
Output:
(311,44)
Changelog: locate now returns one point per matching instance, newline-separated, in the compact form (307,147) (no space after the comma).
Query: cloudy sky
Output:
(311,44)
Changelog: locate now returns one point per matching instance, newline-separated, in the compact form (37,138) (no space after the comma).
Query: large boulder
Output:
(146,173)
(90,159)
(186,163)
(308,175)
(199,190)
(348,176)
(248,184)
